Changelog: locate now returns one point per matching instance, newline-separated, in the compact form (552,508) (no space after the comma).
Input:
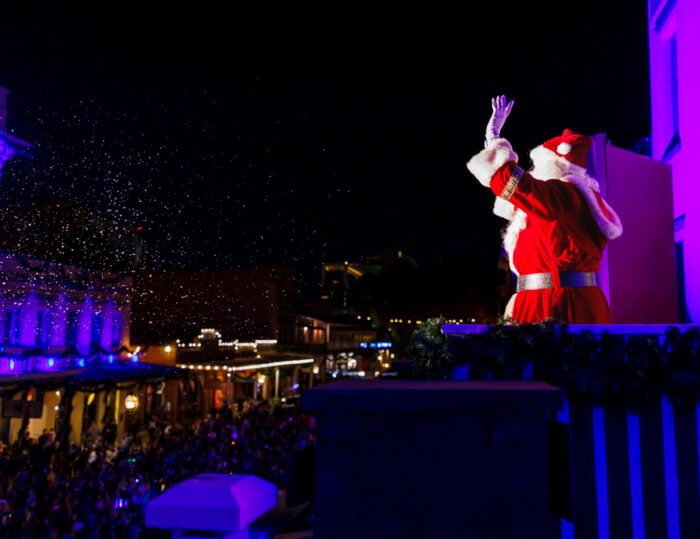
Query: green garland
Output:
(631,370)
(428,348)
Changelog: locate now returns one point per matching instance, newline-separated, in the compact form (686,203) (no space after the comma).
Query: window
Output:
(116,328)
(72,325)
(11,332)
(673,46)
(97,325)
(683,314)
(675,143)
(42,328)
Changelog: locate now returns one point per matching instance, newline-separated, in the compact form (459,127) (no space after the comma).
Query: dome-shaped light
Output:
(131,402)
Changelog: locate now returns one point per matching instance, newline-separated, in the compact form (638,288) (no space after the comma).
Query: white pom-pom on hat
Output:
(564,148)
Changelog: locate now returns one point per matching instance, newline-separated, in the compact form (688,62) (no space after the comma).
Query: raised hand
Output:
(501,109)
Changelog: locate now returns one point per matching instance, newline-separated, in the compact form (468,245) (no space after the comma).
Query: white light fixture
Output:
(168,349)
(131,402)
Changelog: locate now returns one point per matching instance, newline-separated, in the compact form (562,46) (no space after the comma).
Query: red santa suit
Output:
(559,228)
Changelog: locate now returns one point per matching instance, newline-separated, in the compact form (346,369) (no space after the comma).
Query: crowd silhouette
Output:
(99,488)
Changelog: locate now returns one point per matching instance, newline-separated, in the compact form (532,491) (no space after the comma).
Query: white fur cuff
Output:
(503,208)
(485,164)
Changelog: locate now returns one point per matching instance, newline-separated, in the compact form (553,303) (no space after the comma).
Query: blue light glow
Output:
(135,358)
(635,456)
(111,358)
(380,344)
(81,362)
(50,362)
(12,365)
(601,473)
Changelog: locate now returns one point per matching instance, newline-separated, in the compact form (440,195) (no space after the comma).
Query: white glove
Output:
(501,109)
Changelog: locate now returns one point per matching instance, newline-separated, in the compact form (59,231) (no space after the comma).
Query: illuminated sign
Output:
(376,345)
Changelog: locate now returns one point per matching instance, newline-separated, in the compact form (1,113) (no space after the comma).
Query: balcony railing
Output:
(624,451)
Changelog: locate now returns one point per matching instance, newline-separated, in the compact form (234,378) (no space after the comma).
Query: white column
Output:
(106,336)
(277,382)
(28,320)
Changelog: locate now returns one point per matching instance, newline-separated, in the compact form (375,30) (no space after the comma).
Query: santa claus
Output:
(559,224)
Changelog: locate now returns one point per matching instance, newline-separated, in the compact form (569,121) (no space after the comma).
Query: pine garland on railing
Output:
(629,370)
(429,350)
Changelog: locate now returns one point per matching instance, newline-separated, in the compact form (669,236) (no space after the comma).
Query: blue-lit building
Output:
(10,145)
(65,305)
(55,320)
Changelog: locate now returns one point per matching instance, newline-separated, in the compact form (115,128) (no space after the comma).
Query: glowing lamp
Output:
(316,369)
(50,362)
(81,363)
(131,402)
(168,349)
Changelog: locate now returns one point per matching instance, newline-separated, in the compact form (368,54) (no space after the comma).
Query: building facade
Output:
(674,44)
(55,319)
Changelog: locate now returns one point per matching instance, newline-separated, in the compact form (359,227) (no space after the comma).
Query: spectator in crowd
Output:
(99,490)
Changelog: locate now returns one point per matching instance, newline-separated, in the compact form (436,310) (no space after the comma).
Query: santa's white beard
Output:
(510,236)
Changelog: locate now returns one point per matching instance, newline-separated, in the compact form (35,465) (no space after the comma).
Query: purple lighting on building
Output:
(674,45)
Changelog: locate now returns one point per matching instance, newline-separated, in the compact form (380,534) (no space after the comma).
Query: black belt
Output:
(567,279)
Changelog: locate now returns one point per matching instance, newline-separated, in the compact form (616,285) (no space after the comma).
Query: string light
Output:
(275,364)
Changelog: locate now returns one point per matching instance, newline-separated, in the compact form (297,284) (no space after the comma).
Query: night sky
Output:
(238,140)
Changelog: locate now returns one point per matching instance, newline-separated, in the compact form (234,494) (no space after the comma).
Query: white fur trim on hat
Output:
(560,166)
(485,164)
(549,163)
(564,148)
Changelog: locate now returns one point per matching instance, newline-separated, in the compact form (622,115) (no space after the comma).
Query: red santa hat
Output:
(569,153)
(570,146)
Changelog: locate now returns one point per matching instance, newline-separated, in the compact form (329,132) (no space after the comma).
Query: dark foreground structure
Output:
(497,451)
(418,458)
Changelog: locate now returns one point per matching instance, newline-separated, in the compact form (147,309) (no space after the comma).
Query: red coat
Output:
(561,234)
(567,227)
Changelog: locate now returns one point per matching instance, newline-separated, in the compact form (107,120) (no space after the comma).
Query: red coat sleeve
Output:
(547,200)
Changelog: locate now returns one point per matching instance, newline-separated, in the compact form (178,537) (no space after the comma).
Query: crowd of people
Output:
(99,489)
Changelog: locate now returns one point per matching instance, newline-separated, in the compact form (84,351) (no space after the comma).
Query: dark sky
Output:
(239,139)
